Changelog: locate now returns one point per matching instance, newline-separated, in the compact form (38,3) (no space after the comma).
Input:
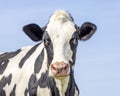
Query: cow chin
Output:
(59,77)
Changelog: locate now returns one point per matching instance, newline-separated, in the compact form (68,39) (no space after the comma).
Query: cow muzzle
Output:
(60,69)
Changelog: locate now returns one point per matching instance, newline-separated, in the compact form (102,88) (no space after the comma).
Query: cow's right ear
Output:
(33,31)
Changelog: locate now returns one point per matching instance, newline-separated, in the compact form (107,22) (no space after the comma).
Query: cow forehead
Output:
(61,25)
(60,30)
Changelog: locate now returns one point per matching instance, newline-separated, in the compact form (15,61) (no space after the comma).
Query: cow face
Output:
(60,38)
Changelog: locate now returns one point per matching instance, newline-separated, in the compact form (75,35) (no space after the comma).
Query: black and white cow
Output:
(46,69)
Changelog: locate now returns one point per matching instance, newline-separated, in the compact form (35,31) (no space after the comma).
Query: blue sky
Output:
(97,70)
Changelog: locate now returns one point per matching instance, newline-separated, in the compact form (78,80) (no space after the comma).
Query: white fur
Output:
(41,91)
(62,84)
(60,14)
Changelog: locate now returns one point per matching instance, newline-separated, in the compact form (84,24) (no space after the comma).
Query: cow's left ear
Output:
(87,30)
(33,31)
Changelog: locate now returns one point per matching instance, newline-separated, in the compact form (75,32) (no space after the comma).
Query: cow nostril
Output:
(65,67)
(53,67)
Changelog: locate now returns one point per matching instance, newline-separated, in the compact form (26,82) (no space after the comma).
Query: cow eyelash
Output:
(47,41)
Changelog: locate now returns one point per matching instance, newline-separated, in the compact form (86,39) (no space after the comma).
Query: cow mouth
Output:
(61,77)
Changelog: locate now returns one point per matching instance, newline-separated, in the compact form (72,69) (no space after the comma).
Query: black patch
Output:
(73,44)
(38,62)
(71,85)
(26,91)
(13,91)
(71,88)
(73,58)
(43,80)
(29,53)
(52,86)
(9,55)
(74,41)
(32,86)
(34,83)
(49,47)
(3,82)
(3,65)
(4,59)
(2,92)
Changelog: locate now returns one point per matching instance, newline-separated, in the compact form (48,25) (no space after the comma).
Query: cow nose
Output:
(60,69)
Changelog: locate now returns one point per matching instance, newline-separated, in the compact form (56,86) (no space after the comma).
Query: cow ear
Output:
(33,31)
(87,30)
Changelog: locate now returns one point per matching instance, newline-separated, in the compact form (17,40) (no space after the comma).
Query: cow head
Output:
(60,37)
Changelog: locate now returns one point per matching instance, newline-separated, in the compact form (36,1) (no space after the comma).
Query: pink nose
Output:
(60,69)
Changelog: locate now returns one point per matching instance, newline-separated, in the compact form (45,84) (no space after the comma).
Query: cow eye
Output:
(47,41)
(74,40)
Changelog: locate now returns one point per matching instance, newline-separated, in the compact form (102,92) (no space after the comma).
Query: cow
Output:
(46,69)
